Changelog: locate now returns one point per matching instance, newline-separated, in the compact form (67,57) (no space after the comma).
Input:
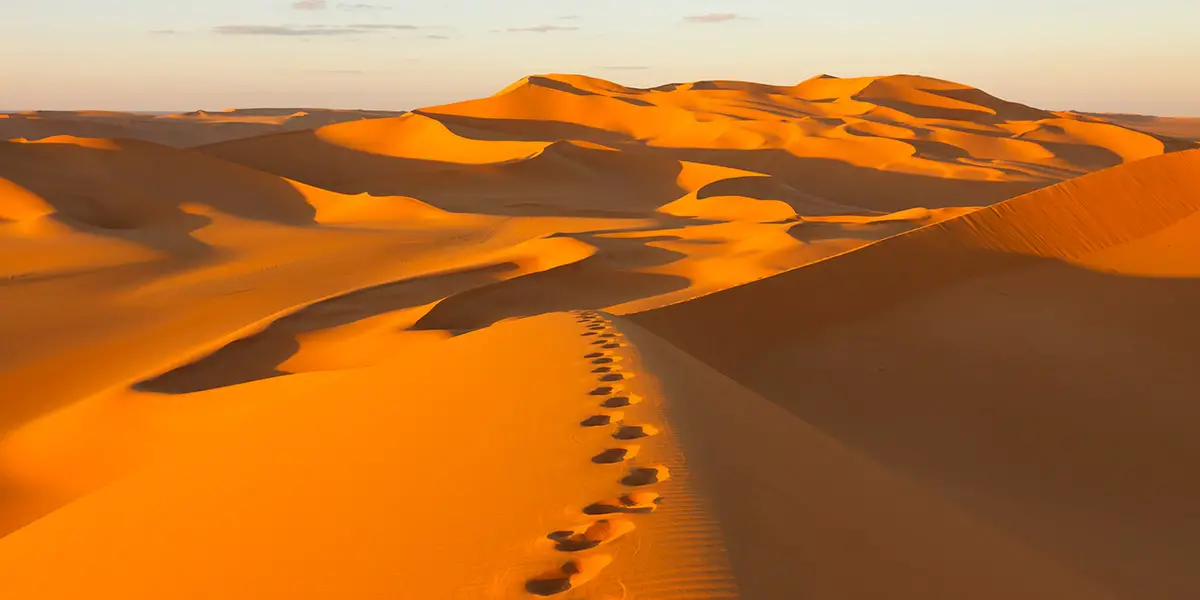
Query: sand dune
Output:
(880,337)
(882,144)
(1026,363)
(1184,128)
(179,130)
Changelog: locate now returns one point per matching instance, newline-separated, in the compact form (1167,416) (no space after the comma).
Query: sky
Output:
(1138,56)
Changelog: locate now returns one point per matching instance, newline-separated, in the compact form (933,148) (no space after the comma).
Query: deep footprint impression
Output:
(590,536)
(646,476)
(633,503)
(621,401)
(615,455)
(633,432)
(571,574)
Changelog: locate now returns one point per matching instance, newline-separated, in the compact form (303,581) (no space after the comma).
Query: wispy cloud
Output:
(309,31)
(713,18)
(165,32)
(541,29)
(623,68)
(437,36)
(381,27)
(280,30)
(569,18)
(310,5)
(363,7)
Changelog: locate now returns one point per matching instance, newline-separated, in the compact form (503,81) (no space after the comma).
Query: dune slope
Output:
(1027,362)
(179,130)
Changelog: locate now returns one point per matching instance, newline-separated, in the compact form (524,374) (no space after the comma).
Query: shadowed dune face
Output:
(1029,361)
(128,184)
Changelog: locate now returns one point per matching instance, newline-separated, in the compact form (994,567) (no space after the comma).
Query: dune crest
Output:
(1020,361)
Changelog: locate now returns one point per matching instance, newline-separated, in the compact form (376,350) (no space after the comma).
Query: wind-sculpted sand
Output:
(178,129)
(855,338)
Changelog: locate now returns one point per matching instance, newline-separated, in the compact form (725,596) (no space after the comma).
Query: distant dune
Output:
(1184,128)
(179,130)
(884,337)
(882,144)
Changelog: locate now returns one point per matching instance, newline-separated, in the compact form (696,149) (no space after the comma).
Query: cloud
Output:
(363,7)
(569,18)
(541,29)
(165,32)
(280,30)
(623,68)
(437,36)
(713,18)
(310,5)
(308,31)
(381,27)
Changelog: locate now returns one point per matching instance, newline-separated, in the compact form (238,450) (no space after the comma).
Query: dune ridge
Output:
(1021,361)
(181,130)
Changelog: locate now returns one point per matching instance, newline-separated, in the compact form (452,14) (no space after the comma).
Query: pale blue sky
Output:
(1103,55)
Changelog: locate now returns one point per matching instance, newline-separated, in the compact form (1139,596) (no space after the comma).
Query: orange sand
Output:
(179,130)
(1184,128)
(707,340)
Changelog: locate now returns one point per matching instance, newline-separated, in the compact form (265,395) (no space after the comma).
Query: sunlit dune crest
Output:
(878,337)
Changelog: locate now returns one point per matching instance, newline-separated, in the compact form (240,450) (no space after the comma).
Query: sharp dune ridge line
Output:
(880,337)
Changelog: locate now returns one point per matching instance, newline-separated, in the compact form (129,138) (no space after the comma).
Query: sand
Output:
(179,130)
(853,338)
(1184,128)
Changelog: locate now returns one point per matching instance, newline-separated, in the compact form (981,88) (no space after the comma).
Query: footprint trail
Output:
(603,528)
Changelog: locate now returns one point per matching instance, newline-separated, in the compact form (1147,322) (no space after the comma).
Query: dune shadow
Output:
(562,180)
(844,183)
(524,130)
(590,283)
(137,191)
(257,356)
(1022,387)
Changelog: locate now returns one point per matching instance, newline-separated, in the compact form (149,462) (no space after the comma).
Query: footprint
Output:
(601,420)
(602,369)
(612,377)
(603,390)
(615,455)
(589,536)
(599,359)
(621,401)
(633,432)
(602,342)
(572,573)
(587,333)
(633,503)
(609,335)
(596,355)
(646,476)
(597,327)
(607,345)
